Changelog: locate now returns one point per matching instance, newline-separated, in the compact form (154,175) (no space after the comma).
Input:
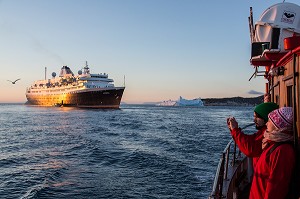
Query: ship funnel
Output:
(65,71)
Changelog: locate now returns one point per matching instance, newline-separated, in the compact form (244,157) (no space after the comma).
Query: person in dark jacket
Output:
(273,171)
(250,145)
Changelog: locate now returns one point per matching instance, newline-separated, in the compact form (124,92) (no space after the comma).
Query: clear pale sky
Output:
(164,48)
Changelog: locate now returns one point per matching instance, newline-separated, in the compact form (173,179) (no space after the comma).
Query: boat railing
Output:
(228,158)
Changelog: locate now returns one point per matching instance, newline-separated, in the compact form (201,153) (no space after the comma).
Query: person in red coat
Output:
(274,169)
(250,145)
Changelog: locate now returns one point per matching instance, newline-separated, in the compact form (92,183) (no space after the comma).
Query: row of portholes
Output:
(94,86)
(55,90)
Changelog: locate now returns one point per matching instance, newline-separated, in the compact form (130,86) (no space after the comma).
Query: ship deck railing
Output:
(233,173)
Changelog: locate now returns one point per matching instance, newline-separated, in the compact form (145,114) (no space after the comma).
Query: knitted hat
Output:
(282,117)
(264,109)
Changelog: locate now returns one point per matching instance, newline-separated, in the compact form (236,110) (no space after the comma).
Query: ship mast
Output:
(86,69)
(45,73)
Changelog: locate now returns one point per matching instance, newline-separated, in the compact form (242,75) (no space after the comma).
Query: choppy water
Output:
(136,152)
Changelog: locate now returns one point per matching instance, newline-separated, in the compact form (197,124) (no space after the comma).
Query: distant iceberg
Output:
(186,102)
(182,102)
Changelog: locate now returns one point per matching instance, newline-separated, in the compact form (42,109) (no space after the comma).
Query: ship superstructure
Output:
(84,90)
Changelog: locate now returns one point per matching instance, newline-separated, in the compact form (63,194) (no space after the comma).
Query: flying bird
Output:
(13,82)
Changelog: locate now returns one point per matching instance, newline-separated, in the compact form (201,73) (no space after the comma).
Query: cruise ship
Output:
(84,90)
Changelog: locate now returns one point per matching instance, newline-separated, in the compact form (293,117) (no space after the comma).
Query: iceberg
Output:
(186,102)
(182,102)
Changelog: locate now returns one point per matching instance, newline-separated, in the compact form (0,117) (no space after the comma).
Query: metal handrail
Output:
(222,169)
(218,182)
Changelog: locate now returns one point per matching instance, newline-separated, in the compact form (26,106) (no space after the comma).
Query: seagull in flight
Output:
(13,82)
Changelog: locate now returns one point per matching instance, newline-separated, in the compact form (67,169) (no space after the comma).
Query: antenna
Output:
(251,28)
(124,80)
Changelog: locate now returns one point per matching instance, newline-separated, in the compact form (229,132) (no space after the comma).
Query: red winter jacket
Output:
(250,145)
(272,173)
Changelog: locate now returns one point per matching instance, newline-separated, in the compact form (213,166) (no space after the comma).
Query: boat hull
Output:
(87,98)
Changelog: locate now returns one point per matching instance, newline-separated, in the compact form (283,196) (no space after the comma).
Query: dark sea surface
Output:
(139,151)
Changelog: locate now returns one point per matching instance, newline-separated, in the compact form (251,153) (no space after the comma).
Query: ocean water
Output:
(138,151)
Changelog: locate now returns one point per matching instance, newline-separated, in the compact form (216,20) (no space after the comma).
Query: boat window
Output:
(289,95)
(277,99)
(275,38)
(257,48)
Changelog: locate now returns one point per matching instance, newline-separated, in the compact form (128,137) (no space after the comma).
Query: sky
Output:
(160,49)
